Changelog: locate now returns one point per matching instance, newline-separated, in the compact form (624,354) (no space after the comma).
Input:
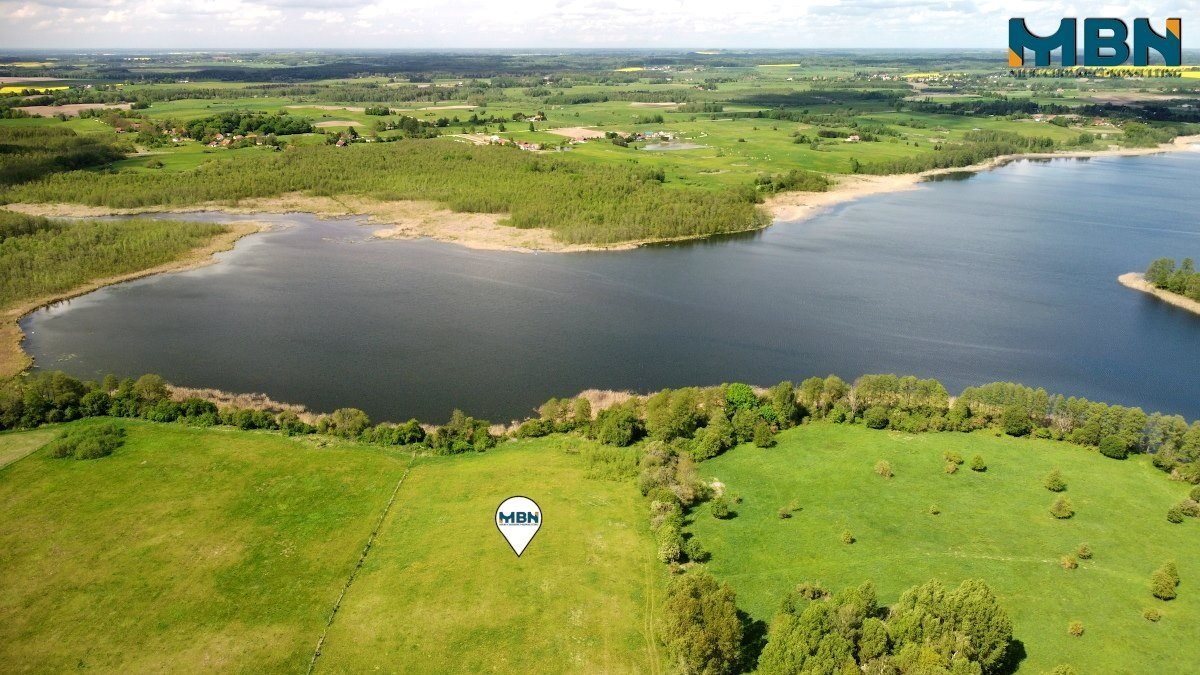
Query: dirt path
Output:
(362,558)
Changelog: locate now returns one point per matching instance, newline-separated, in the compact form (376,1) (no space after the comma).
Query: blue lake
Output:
(1008,275)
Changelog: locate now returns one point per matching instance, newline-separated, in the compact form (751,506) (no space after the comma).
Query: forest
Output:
(40,257)
(28,153)
(580,202)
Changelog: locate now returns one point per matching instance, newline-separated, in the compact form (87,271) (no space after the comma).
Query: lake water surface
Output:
(1010,275)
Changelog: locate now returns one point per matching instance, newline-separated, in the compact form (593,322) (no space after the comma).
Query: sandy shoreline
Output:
(796,206)
(1137,281)
(14,360)
(421,219)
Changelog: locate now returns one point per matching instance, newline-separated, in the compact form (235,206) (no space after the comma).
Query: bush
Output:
(1194,495)
(1151,614)
(1063,669)
(763,436)
(977,464)
(1174,515)
(952,457)
(618,425)
(883,468)
(951,468)
(1015,421)
(462,434)
(719,508)
(935,510)
(700,625)
(1114,447)
(1062,508)
(694,551)
(1068,562)
(87,443)
(784,513)
(876,417)
(1164,581)
(348,422)
(1075,629)
(1084,552)
(847,537)
(1054,481)
(1190,508)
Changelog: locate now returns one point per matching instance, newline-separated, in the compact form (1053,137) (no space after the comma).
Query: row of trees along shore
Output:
(700,422)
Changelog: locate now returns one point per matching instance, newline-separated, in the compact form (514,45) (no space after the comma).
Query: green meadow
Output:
(993,525)
(201,550)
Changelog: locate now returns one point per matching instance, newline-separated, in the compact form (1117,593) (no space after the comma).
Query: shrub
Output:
(719,508)
(784,513)
(700,625)
(1054,481)
(1015,421)
(1084,552)
(1174,515)
(87,443)
(1151,614)
(669,552)
(977,464)
(618,425)
(1194,496)
(1114,447)
(876,417)
(1190,508)
(935,510)
(847,538)
(1063,669)
(883,468)
(694,551)
(763,436)
(952,457)
(1164,581)
(1062,508)
(951,468)
(1075,629)
(1068,562)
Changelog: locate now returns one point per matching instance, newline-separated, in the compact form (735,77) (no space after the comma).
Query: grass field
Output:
(993,525)
(442,592)
(195,550)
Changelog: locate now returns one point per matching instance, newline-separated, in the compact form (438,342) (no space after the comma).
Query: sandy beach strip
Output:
(1137,281)
(797,206)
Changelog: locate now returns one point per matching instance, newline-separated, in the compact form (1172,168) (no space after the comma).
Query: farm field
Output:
(993,525)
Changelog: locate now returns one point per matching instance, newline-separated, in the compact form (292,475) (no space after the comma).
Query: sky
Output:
(409,24)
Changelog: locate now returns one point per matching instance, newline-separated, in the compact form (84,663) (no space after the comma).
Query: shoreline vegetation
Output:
(1137,281)
(415,219)
(14,360)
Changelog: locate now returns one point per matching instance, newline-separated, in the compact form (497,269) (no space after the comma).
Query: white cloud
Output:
(541,23)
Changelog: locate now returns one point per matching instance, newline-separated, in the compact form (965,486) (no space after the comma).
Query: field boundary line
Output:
(362,558)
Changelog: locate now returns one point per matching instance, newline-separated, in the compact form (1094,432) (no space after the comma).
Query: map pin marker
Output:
(518,519)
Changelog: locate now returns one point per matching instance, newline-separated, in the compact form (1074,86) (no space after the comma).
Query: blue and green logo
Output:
(1105,43)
